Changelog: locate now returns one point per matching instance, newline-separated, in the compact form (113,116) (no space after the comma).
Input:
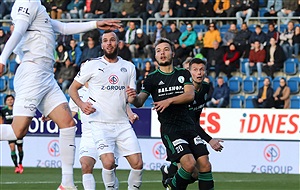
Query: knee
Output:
(137,162)
(86,168)
(205,167)
(108,162)
(189,166)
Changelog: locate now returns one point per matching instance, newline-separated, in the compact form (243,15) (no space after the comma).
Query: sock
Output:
(135,179)
(109,178)
(88,182)
(206,181)
(14,158)
(21,155)
(172,169)
(181,179)
(67,154)
(117,184)
(7,133)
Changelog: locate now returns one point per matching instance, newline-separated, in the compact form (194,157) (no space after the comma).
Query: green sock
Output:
(206,181)
(14,158)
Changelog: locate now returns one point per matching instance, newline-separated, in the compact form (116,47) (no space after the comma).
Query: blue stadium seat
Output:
(149,102)
(76,37)
(282,28)
(295,102)
(3,83)
(261,13)
(262,3)
(294,83)
(237,101)
(276,82)
(290,66)
(248,101)
(249,85)
(2,96)
(224,28)
(200,28)
(251,27)
(242,65)
(137,62)
(11,83)
(235,84)
(12,66)
(182,28)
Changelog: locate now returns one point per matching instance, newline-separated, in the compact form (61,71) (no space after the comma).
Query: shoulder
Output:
(126,63)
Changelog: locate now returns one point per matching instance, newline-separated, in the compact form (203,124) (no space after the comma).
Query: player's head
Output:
(109,44)
(164,52)
(197,69)
(9,100)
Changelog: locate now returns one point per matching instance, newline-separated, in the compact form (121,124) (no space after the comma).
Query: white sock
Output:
(117,184)
(109,178)
(134,179)
(88,182)
(7,133)
(67,154)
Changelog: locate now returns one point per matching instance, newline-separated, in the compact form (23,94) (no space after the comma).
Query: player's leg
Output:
(16,130)
(13,155)
(108,171)
(135,175)
(205,177)
(19,144)
(87,165)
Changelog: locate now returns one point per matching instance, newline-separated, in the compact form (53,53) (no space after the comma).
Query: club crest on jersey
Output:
(181,79)
(113,79)
(123,69)
(23,10)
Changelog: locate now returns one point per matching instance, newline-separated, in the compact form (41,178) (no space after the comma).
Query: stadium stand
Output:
(242,65)
(294,83)
(276,82)
(3,83)
(295,102)
(249,85)
(290,66)
(248,101)
(12,66)
(235,84)
(11,83)
(2,96)
(237,101)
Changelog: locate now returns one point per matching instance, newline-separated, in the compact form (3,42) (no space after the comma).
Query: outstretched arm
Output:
(136,100)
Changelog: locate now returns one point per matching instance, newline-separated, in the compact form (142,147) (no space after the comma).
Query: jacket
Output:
(285,96)
(221,92)
(190,38)
(257,56)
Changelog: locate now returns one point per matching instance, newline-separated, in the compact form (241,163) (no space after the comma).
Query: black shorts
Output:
(17,142)
(182,143)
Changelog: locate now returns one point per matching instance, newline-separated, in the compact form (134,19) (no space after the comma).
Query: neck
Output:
(10,107)
(167,69)
(197,86)
(114,60)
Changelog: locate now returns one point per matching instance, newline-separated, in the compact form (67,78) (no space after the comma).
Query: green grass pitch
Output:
(49,179)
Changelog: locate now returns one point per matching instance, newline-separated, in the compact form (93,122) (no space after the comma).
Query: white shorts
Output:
(111,138)
(87,147)
(36,88)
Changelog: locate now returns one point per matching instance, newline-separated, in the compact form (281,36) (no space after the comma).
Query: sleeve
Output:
(85,72)
(132,83)
(203,134)
(187,77)
(148,87)
(72,28)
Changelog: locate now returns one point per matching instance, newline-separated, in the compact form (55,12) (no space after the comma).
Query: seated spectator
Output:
(144,73)
(282,95)
(3,39)
(186,41)
(64,40)
(274,58)
(215,58)
(115,9)
(241,40)
(174,34)
(74,53)
(127,9)
(121,32)
(234,8)
(272,33)
(92,34)
(178,9)
(123,51)
(258,35)
(256,58)
(140,44)
(87,10)
(58,8)
(231,60)
(198,44)
(205,9)
(288,10)
(229,35)
(286,40)
(66,75)
(130,33)
(100,8)
(273,7)
(90,51)
(296,41)
(61,55)
(165,10)
(220,8)
(220,96)
(248,9)
(213,34)
(151,8)
(190,7)
(159,32)
(139,7)
(265,96)
(75,9)
(211,88)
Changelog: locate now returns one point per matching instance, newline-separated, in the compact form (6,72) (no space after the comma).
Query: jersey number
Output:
(179,148)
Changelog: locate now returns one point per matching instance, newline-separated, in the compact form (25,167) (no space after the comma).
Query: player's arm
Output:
(1,119)
(79,27)
(214,143)
(20,29)
(131,115)
(136,100)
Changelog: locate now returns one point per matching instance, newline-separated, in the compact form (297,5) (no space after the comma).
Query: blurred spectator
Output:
(220,96)
(87,10)
(151,8)
(174,34)
(58,8)
(187,41)
(179,10)
(100,8)
(127,9)
(2,10)
(211,88)
(130,33)
(215,58)
(140,45)
(9,33)
(94,34)
(258,35)
(3,39)
(124,51)
(190,7)
(165,10)
(75,9)
(213,34)
(205,9)
(248,8)
(74,53)
(115,9)
(282,95)
(231,60)
(273,7)
(66,75)
(256,58)
(272,33)
(60,56)
(220,8)
(234,8)
(121,32)
(90,51)
(288,10)
(7,6)
(286,40)
(265,96)
(198,44)
(144,73)
(296,41)
(159,32)
(64,40)
(274,58)
(230,35)
(241,40)
(140,9)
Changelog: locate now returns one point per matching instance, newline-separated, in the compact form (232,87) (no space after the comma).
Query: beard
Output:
(165,63)
(112,55)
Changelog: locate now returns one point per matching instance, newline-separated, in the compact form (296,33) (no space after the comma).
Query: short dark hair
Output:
(196,61)
(165,40)
(109,31)
(8,96)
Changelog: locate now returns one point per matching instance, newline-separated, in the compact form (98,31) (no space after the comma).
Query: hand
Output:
(108,24)
(227,62)
(87,108)
(44,118)
(131,93)
(161,105)
(133,117)
(2,67)
(251,64)
(215,144)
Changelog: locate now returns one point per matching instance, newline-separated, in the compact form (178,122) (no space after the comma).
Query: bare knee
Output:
(188,163)
(87,164)
(203,164)
(135,161)
(108,161)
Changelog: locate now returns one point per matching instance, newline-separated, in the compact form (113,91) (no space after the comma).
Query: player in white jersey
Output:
(87,149)
(108,77)
(33,40)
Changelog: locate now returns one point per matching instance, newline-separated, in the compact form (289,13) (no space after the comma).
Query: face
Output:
(72,43)
(297,29)
(211,27)
(173,26)
(244,26)
(158,25)
(198,72)
(110,45)
(9,101)
(132,25)
(163,54)
(256,45)
(220,81)
(290,26)
(271,27)
(282,82)
(60,48)
(232,47)
(189,27)
(266,82)
(232,27)
(257,30)
(215,45)
(272,41)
